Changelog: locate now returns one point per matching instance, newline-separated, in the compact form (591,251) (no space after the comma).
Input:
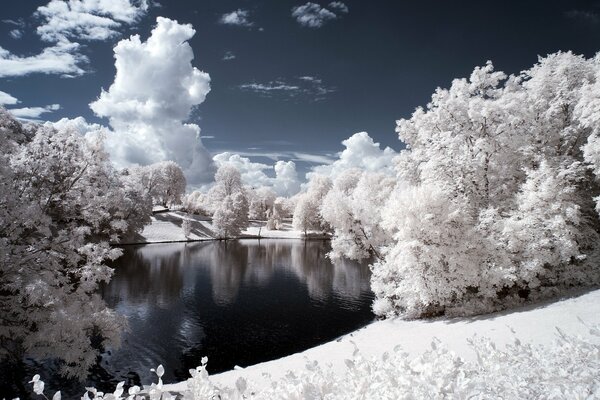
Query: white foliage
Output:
(499,203)
(62,204)
(567,369)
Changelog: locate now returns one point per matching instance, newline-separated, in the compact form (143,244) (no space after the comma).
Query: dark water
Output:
(239,303)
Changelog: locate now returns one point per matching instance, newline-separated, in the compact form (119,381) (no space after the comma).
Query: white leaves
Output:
(160,371)
(56,396)
(38,385)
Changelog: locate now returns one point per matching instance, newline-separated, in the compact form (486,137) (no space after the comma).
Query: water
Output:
(239,303)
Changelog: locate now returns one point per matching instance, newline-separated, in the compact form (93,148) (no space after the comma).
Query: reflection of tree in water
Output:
(310,263)
(351,279)
(150,273)
(228,264)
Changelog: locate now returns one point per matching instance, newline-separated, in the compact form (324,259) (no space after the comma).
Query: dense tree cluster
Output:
(62,204)
(496,194)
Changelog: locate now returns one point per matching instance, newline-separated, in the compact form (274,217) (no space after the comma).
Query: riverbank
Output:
(537,325)
(166,227)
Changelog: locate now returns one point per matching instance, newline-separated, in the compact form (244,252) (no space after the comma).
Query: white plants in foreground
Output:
(568,369)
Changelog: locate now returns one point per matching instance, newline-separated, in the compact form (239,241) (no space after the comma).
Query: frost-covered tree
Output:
(228,181)
(261,202)
(307,211)
(62,204)
(231,216)
(229,201)
(196,203)
(163,181)
(353,210)
(275,221)
(513,203)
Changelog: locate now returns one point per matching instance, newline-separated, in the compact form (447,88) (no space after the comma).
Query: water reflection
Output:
(238,302)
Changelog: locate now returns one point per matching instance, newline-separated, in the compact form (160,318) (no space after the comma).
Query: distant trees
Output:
(230,203)
(163,181)
(307,210)
(62,204)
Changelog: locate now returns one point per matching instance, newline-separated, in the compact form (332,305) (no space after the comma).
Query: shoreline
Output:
(536,324)
(166,227)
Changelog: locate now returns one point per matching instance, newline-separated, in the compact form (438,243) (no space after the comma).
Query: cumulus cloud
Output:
(7,99)
(281,177)
(87,19)
(154,91)
(79,125)
(238,17)
(64,24)
(304,85)
(360,152)
(313,15)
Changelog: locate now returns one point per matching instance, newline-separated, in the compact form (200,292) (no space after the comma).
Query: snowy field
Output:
(167,227)
(536,325)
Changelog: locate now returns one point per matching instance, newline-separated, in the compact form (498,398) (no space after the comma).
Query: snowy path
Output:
(534,324)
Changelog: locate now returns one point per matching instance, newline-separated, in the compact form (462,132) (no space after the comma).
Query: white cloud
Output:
(154,91)
(228,56)
(339,6)
(238,17)
(254,174)
(7,99)
(312,15)
(62,58)
(306,85)
(33,113)
(16,33)
(79,125)
(87,19)
(64,23)
(360,152)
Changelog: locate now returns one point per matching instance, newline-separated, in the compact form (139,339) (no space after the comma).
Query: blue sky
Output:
(289,79)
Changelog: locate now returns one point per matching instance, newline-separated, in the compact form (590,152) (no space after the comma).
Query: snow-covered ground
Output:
(166,227)
(536,324)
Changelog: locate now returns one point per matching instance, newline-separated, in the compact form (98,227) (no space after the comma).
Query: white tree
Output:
(513,211)
(353,209)
(306,213)
(163,181)
(229,201)
(261,202)
(62,205)
(231,216)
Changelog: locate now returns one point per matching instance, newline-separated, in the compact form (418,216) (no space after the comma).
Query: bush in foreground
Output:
(568,369)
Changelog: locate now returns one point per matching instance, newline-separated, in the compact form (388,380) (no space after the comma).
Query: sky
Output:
(266,80)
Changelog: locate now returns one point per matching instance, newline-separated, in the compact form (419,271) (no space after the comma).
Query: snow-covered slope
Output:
(535,324)
(166,227)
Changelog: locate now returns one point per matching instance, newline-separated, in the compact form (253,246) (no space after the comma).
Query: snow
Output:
(166,227)
(536,324)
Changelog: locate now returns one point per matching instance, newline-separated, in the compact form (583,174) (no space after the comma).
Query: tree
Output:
(62,206)
(163,181)
(498,163)
(306,214)
(353,210)
(231,216)
(229,201)
(261,202)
